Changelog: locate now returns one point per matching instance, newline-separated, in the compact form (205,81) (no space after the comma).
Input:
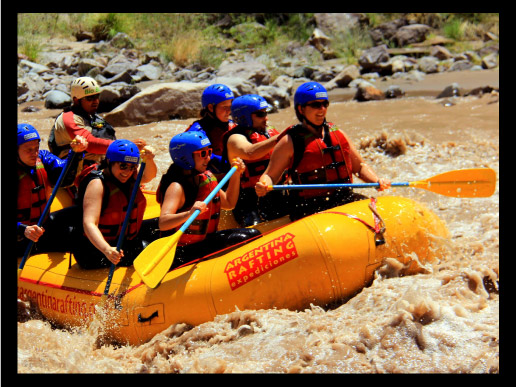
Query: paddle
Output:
(124,226)
(154,262)
(64,171)
(461,183)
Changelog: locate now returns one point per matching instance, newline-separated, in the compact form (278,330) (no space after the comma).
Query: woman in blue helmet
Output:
(315,151)
(104,194)
(38,170)
(182,190)
(215,121)
(253,140)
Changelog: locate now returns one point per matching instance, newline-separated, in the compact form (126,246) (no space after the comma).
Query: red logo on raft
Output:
(260,260)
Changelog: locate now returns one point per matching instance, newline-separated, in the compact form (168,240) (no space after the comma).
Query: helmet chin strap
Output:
(214,117)
(316,127)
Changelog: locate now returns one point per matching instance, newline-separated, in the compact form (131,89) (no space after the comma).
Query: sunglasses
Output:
(204,152)
(318,104)
(124,166)
(92,97)
(260,113)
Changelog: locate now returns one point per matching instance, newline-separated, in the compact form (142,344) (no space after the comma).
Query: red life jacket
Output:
(113,214)
(255,168)
(32,195)
(207,221)
(323,161)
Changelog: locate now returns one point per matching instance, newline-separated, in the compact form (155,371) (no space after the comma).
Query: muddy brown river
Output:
(406,139)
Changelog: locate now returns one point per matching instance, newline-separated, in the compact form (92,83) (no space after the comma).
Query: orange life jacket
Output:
(113,214)
(322,161)
(32,195)
(207,221)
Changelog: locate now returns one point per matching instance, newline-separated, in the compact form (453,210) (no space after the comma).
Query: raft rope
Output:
(379,225)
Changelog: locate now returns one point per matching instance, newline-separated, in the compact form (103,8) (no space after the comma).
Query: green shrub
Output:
(206,38)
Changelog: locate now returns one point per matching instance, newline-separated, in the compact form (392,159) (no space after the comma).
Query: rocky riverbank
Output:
(130,77)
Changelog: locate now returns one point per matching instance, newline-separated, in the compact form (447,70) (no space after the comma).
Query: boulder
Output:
(490,61)
(251,70)
(368,92)
(277,97)
(450,91)
(119,64)
(440,52)
(57,99)
(159,102)
(372,58)
(428,64)
(385,32)
(344,78)
(413,33)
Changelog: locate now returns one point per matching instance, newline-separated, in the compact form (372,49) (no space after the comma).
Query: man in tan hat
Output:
(81,119)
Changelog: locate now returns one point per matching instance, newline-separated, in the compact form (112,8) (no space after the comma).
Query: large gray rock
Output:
(428,64)
(159,102)
(277,97)
(119,64)
(57,99)
(372,58)
(413,33)
(385,32)
(336,23)
(251,70)
(344,78)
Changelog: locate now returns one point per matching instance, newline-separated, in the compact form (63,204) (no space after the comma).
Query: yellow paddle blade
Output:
(153,209)
(461,183)
(155,260)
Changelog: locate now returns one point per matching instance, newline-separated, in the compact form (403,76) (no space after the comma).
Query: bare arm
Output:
(92,205)
(151,169)
(281,158)
(174,199)
(229,198)
(239,146)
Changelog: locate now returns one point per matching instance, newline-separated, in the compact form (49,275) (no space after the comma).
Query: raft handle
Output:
(145,319)
(379,224)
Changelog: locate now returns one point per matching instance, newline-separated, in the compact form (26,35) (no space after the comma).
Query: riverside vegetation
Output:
(253,53)
(205,39)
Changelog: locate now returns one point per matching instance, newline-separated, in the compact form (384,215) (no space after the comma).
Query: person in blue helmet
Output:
(253,140)
(315,151)
(183,189)
(38,170)
(215,121)
(103,195)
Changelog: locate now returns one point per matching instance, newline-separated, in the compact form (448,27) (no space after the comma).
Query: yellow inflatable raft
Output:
(325,258)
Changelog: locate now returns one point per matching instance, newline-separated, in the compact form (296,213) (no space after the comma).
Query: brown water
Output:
(444,321)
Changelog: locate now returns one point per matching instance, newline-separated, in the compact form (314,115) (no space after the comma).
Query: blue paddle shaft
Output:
(333,186)
(130,206)
(124,225)
(64,171)
(208,198)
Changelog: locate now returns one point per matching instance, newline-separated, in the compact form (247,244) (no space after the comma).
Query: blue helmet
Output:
(309,91)
(182,146)
(124,151)
(215,94)
(26,133)
(242,108)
